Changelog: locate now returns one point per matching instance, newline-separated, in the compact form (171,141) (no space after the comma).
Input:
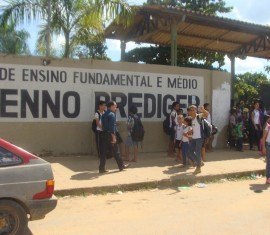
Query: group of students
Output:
(251,124)
(246,124)
(190,134)
(109,142)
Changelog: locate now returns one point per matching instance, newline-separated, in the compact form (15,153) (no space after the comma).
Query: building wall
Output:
(75,136)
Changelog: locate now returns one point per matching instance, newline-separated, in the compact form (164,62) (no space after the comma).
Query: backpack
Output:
(137,132)
(94,123)
(206,127)
(166,125)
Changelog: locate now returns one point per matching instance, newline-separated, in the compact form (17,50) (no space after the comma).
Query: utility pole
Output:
(48,36)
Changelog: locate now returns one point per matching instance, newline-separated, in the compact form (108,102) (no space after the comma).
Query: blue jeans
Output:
(267,146)
(185,152)
(196,151)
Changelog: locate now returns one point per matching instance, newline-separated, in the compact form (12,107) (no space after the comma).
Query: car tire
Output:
(14,215)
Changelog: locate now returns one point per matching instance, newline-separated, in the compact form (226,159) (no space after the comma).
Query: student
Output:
(257,121)
(198,136)
(187,136)
(173,120)
(266,148)
(98,127)
(130,143)
(108,139)
(239,134)
(179,130)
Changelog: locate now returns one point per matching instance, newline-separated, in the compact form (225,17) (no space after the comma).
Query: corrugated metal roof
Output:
(196,30)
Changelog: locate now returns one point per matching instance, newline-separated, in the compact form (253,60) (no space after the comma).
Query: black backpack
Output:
(137,133)
(206,127)
(166,125)
(94,123)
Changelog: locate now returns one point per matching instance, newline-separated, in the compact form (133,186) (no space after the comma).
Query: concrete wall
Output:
(76,137)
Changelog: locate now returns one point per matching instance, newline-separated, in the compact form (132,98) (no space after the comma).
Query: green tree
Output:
(248,85)
(186,57)
(13,41)
(72,18)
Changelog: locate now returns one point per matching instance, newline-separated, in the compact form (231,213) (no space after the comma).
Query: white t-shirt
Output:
(186,130)
(256,117)
(196,127)
(209,118)
(97,117)
(173,116)
(179,130)
(267,128)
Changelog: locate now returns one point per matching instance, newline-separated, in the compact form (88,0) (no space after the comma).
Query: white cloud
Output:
(250,64)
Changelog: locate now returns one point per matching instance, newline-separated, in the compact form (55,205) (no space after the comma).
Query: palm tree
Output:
(13,41)
(72,18)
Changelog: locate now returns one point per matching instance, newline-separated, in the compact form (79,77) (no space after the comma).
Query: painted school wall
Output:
(63,137)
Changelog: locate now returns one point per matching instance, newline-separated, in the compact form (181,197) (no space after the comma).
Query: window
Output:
(8,159)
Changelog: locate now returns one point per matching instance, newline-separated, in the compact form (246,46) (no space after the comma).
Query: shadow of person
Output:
(88,175)
(259,188)
(174,170)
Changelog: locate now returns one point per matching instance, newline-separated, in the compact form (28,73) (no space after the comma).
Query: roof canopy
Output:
(155,24)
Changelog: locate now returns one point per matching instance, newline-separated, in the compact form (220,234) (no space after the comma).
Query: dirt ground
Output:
(241,207)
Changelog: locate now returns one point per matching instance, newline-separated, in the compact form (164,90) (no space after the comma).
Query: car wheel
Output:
(13,218)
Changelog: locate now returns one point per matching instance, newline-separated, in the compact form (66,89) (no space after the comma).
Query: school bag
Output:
(137,133)
(94,123)
(206,127)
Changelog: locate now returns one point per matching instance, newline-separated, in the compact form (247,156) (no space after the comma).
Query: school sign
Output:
(51,94)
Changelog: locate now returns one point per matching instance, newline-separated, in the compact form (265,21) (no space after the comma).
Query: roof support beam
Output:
(174,44)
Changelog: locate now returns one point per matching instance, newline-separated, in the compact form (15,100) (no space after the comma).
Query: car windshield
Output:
(8,159)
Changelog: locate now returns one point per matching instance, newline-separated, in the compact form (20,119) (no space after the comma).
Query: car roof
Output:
(18,151)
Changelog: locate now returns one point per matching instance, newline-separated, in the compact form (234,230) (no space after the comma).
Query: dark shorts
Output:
(172,134)
(178,144)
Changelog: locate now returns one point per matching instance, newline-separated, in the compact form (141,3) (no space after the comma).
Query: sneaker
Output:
(268,181)
(197,171)
(103,171)
(125,166)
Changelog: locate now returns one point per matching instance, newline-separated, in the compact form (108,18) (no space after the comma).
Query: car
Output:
(26,188)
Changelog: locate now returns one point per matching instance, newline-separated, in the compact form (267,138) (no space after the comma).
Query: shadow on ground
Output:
(88,165)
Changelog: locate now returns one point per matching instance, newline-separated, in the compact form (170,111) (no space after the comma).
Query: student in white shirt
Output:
(100,111)
(187,136)
(197,137)
(173,122)
(179,130)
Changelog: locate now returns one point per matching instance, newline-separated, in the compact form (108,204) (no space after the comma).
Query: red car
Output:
(26,188)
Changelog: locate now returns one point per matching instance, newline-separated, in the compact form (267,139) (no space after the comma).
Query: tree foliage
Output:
(13,41)
(185,57)
(248,85)
(75,19)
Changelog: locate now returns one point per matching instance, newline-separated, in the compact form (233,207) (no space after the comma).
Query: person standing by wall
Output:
(187,136)
(173,122)
(130,143)
(179,130)
(239,134)
(108,139)
(97,125)
(198,136)
(257,121)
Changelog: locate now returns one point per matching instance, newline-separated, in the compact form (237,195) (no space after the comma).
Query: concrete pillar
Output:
(232,58)
(123,50)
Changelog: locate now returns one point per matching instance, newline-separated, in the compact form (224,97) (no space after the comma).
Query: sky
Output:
(254,11)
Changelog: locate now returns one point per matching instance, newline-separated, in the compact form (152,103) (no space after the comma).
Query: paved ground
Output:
(81,171)
(222,208)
